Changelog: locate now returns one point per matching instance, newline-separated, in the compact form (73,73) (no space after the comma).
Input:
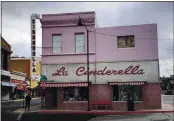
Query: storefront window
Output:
(75,94)
(120,92)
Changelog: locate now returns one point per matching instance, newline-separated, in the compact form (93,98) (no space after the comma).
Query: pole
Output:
(88,69)
(23,100)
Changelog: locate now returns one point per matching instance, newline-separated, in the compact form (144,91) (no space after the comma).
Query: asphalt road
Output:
(8,108)
(35,116)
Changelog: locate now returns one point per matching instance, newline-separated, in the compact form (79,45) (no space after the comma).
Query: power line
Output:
(52,47)
(117,35)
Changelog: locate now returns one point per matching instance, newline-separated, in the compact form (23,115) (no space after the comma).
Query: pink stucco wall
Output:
(145,48)
(101,47)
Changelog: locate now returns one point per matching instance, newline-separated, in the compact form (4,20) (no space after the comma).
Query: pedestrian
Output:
(27,102)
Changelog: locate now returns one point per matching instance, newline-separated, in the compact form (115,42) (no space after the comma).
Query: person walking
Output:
(27,102)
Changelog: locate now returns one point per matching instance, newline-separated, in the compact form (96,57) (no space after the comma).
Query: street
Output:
(7,109)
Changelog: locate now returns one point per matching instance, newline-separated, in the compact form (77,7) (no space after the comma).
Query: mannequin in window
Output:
(76,93)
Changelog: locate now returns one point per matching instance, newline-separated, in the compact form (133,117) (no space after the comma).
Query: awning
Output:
(19,88)
(8,84)
(127,83)
(66,85)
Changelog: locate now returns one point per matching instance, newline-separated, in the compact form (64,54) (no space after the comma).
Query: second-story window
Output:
(57,44)
(80,42)
(126,41)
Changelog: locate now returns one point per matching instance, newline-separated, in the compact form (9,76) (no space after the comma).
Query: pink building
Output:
(122,59)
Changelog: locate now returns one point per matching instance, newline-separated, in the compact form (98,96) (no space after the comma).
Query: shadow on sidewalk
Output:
(35,116)
(32,109)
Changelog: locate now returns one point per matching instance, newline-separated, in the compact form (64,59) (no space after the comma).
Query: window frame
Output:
(133,91)
(84,45)
(56,47)
(86,88)
(128,47)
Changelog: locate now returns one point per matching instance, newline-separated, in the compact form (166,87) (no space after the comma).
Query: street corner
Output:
(168,107)
(21,110)
(36,116)
(136,117)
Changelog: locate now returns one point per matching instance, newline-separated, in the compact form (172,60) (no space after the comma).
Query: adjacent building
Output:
(6,86)
(21,88)
(120,57)
(24,65)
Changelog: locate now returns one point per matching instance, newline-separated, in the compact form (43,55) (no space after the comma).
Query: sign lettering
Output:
(131,70)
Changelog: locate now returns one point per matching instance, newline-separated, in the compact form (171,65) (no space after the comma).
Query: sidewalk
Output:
(95,115)
(35,108)
(18,100)
(165,109)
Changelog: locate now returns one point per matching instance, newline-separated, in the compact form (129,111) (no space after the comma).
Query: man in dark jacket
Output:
(27,102)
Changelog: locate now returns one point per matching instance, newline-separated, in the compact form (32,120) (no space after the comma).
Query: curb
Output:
(103,112)
(18,100)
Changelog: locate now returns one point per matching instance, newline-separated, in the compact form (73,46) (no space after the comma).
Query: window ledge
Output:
(126,48)
(126,101)
(75,101)
(66,54)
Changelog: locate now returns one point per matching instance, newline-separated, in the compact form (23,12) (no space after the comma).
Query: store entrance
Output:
(54,97)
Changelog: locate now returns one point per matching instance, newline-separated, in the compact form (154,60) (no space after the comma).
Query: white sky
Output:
(16,22)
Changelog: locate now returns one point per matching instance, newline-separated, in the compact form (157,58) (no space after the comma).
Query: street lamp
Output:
(81,22)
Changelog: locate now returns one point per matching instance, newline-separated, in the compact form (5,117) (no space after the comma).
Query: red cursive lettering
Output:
(140,71)
(127,70)
(108,72)
(82,71)
(134,70)
(120,72)
(61,72)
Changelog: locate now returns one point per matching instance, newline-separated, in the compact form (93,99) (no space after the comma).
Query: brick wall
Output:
(101,92)
(151,98)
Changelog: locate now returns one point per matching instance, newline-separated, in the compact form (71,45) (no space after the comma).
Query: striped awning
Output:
(8,84)
(127,83)
(65,85)
(19,88)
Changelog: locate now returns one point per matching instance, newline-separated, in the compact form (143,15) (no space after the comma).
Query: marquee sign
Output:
(102,73)
(33,42)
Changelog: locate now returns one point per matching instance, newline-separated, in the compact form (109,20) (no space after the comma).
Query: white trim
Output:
(75,101)
(126,101)
(9,84)
(93,62)
(67,54)
(5,73)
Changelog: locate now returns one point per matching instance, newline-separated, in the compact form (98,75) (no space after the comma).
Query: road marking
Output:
(19,116)
(2,106)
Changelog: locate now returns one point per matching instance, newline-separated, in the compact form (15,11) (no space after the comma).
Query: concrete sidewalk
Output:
(97,115)
(136,117)
(18,100)
(38,109)
(35,108)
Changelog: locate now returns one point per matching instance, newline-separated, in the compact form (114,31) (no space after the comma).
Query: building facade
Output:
(6,86)
(122,59)
(24,65)
(21,88)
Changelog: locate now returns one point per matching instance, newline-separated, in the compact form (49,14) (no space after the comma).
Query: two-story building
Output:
(120,57)
(6,86)
(24,65)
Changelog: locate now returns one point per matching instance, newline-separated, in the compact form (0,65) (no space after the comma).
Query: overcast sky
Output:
(16,22)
